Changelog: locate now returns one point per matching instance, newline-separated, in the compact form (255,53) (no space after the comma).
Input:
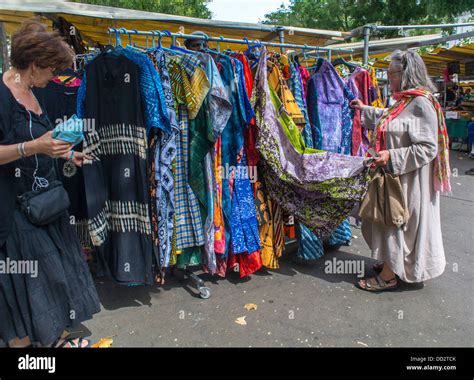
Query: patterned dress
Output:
(116,177)
(319,188)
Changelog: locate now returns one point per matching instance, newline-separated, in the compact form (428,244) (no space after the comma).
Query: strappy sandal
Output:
(73,343)
(378,267)
(380,286)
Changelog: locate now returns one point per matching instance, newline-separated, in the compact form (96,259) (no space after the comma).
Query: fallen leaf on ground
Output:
(241,321)
(103,343)
(251,306)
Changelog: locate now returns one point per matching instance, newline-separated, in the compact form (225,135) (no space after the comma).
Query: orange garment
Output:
(219,231)
(277,83)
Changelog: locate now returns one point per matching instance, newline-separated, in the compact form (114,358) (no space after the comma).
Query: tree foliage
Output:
(190,8)
(346,15)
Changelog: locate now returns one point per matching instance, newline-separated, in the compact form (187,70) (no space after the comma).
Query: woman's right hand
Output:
(51,147)
(357,104)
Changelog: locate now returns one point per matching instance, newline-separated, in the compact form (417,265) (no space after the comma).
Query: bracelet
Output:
(21,150)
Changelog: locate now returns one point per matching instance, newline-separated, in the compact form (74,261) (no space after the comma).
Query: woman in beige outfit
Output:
(414,253)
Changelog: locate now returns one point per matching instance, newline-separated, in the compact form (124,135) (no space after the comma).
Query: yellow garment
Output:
(378,102)
(265,228)
(267,253)
(277,83)
(189,91)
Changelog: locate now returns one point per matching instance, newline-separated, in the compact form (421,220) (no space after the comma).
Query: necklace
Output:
(69,169)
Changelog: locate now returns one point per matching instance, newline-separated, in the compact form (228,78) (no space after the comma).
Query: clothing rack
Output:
(186,274)
(244,41)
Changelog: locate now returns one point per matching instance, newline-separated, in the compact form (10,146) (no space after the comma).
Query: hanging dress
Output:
(116,177)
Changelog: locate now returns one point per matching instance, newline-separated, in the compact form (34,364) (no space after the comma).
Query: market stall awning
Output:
(437,60)
(93,22)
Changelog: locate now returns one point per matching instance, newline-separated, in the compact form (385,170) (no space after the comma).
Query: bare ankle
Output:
(19,343)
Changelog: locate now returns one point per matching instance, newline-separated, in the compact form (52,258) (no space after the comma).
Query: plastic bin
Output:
(457,128)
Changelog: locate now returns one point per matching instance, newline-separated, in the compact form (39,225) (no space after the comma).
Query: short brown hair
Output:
(32,43)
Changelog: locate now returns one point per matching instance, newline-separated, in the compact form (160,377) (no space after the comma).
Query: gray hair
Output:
(413,70)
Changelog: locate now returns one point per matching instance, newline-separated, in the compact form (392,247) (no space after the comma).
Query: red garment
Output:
(290,230)
(250,133)
(367,93)
(249,263)
(441,168)
(247,72)
(304,77)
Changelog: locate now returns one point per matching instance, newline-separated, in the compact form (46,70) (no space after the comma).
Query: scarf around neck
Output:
(442,170)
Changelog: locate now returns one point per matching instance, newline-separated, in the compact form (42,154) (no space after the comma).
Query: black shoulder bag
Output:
(47,201)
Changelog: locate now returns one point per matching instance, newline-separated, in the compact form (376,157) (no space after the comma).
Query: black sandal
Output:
(380,284)
(72,343)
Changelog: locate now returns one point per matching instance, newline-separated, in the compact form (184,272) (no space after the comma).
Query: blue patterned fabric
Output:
(296,87)
(243,221)
(342,235)
(189,229)
(81,97)
(154,106)
(247,110)
(328,107)
(310,247)
(347,117)
(166,153)
(232,136)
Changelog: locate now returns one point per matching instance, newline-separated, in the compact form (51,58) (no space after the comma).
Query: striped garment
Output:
(189,229)
(342,235)
(310,247)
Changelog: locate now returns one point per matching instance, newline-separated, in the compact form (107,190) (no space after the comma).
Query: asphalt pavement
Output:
(304,305)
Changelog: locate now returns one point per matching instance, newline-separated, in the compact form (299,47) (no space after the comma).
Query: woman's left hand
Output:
(77,158)
(382,158)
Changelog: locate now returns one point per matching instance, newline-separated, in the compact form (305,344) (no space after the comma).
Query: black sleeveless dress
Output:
(61,294)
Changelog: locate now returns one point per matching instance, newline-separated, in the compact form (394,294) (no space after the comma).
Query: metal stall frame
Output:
(244,41)
(367,29)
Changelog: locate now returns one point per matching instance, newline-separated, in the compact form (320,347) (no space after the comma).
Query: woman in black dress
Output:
(57,292)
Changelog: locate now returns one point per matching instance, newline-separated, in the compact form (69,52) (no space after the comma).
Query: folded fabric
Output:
(70,130)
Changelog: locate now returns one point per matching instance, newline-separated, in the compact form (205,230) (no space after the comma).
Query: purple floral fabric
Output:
(320,188)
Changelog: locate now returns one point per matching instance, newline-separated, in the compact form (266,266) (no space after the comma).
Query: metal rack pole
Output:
(218,39)
(432,26)
(281,37)
(368,28)
(366,44)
